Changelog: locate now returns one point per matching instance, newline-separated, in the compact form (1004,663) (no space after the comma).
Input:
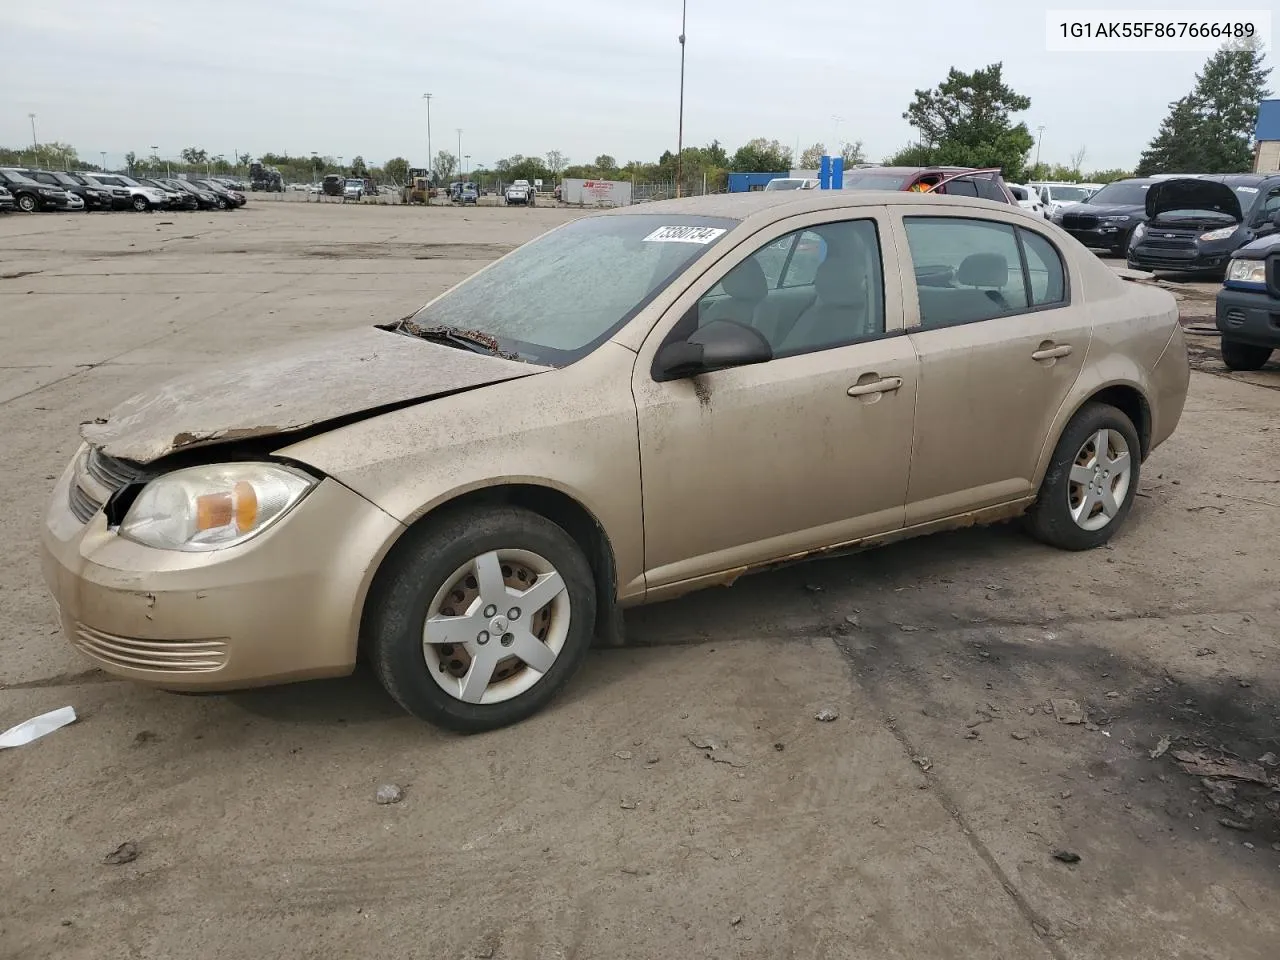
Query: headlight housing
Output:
(208,508)
(1247,271)
(1138,231)
(1221,234)
(1123,219)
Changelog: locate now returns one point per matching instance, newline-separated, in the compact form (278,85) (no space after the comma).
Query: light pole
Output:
(103,153)
(467,158)
(35,144)
(1039,137)
(684,10)
(459,157)
(315,162)
(430,157)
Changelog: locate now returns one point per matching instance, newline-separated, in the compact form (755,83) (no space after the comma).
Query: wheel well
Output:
(572,517)
(1130,402)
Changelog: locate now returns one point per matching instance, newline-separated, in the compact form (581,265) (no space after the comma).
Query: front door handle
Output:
(1052,353)
(883,385)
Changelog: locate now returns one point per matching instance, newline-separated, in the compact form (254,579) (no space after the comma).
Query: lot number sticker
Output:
(684,235)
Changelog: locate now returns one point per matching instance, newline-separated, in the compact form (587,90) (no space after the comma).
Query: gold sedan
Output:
(632,406)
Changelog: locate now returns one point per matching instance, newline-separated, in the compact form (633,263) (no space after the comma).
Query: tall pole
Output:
(684,7)
(104,160)
(1039,137)
(35,145)
(459,148)
(430,156)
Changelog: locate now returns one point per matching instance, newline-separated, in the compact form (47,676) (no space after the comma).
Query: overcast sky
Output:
(586,77)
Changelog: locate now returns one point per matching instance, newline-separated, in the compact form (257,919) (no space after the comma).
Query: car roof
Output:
(771,205)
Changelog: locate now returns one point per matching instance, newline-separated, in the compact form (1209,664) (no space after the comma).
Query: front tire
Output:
(1244,356)
(222,203)
(27,203)
(141,205)
(479,618)
(1088,490)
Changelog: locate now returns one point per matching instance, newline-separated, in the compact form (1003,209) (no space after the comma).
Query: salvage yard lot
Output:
(920,823)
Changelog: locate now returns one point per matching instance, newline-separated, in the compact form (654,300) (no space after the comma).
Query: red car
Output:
(985,182)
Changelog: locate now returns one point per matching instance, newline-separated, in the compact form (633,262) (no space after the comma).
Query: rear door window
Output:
(959,188)
(966,270)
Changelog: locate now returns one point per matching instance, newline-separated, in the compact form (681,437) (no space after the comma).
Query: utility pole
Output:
(103,153)
(684,7)
(1039,137)
(459,158)
(35,144)
(431,160)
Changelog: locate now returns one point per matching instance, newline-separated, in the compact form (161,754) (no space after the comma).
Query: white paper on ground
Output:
(37,727)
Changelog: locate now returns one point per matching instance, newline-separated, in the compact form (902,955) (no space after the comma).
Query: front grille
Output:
(171,656)
(1173,243)
(1079,221)
(97,477)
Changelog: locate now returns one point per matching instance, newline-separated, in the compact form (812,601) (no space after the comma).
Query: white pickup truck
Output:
(521,192)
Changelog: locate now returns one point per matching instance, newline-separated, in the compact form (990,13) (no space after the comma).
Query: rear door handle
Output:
(1052,353)
(884,385)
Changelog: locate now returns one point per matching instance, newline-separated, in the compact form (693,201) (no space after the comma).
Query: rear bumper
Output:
(1246,316)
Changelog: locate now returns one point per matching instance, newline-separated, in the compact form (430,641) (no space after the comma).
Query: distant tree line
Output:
(966,120)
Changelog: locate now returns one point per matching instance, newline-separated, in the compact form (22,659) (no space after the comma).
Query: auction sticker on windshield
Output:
(684,235)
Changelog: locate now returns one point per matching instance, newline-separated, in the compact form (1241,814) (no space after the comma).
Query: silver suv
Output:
(141,197)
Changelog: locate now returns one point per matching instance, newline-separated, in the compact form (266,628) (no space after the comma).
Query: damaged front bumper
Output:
(282,606)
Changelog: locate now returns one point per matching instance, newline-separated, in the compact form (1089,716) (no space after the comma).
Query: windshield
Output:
(1069,194)
(1121,194)
(355,183)
(782,183)
(875,181)
(558,297)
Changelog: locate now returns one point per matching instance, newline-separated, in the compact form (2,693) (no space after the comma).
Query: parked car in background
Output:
(1248,307)
(121,196)
(1028,198)
(987,184)
(464,192)
(1194,224)
(1106,220)
(352,189)
(333,185)
(791,183)
(75,203)
(7,204)
(421,509)
(205,199)
(175,199)
(232,198)
(1055,196)
(140,198)
(520,193)
(31,195)
(94,196)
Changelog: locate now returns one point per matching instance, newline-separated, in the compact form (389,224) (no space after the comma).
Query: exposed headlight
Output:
(208,508)
(1138,231)
(1247,271)
(48,192)
(1218,234)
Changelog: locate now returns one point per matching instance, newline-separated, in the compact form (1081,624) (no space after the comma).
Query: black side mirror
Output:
(718,345)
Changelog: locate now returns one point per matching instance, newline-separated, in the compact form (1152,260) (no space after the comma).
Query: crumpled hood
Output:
(1192,193)
(292,388)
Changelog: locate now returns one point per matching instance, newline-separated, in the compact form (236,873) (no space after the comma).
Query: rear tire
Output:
(1067,513)
(422,573)
(1244,356)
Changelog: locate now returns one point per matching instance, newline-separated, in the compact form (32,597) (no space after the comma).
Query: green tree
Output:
(1210,130)
(852,153)
(605,163)
(445,164)
(1177,146)
(556,161)
(397,168)
(761,156)
(965,121)
(130,161)
(358,167)
(912,155)
(1107,176)
(195,155)
(811,156)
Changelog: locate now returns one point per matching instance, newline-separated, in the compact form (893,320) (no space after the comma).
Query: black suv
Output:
(95,196)
(1195,223)
(31,195)
(1107,219)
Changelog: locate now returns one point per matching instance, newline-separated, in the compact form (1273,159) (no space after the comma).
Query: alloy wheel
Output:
(496,626)
(1099,479)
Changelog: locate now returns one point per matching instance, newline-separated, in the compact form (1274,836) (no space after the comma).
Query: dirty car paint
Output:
(291,389)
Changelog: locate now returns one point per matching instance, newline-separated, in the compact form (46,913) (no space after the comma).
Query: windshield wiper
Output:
(473,340)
